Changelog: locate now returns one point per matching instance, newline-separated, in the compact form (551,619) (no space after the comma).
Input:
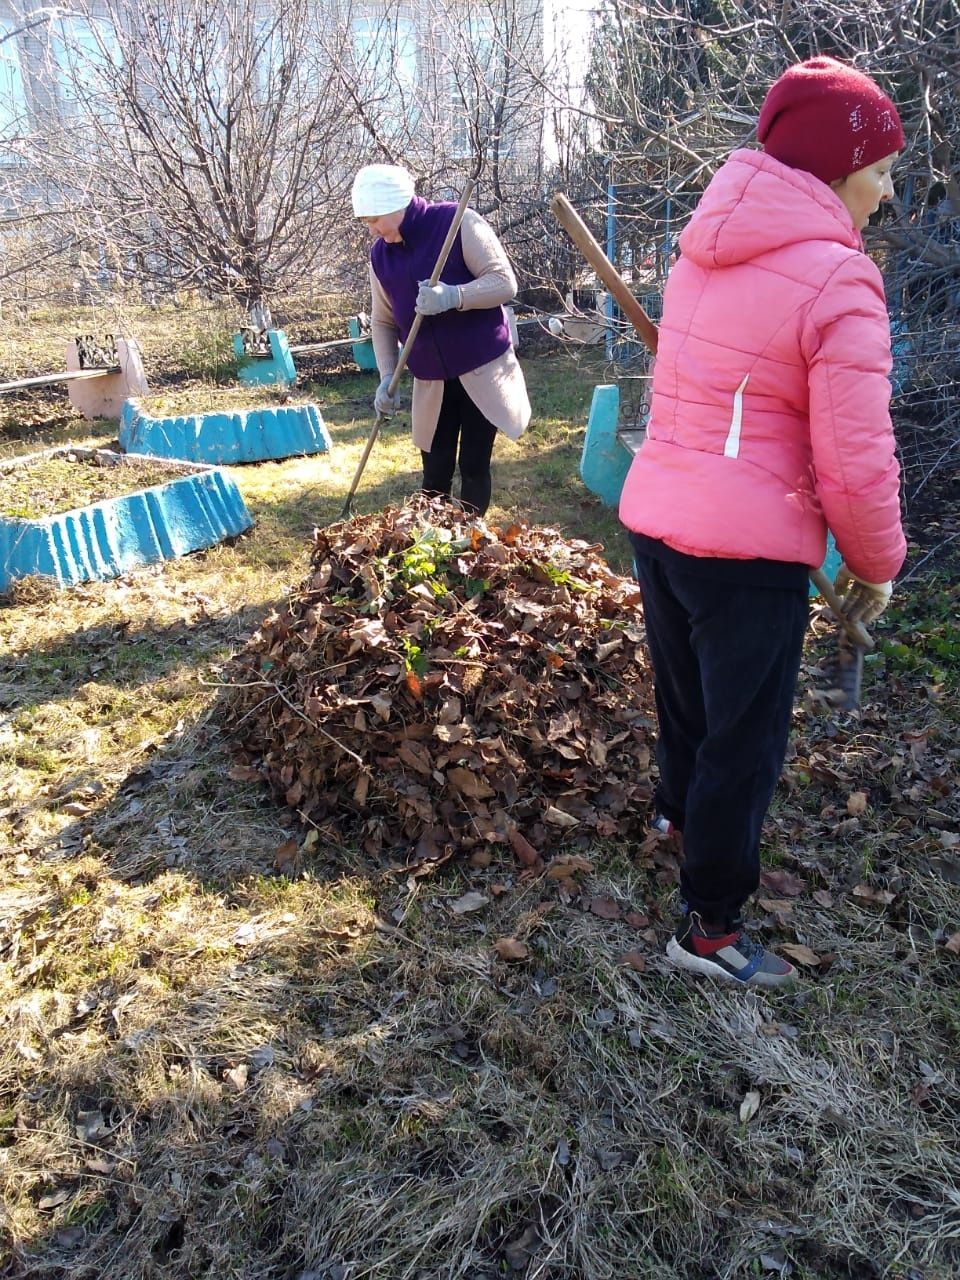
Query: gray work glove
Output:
(862,601)
(384,404)
(435,298)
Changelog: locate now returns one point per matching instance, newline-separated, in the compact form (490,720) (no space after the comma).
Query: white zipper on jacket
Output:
(731,447)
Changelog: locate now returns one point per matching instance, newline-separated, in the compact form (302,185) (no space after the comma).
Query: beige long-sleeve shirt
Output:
(497,388)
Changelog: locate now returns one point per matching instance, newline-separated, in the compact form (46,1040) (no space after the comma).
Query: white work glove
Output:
(384,404)
(434,298)
(862,601)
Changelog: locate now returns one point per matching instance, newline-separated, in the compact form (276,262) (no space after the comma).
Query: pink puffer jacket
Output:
(770,411)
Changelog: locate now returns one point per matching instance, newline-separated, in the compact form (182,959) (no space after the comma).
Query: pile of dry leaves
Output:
(438,684)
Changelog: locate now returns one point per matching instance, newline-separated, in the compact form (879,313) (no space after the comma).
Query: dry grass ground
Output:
(209,1068)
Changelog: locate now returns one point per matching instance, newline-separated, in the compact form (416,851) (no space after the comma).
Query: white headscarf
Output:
(380,189)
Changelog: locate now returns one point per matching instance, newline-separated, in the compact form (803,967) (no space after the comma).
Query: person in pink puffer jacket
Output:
(769,423)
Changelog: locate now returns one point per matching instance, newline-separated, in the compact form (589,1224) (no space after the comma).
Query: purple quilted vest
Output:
(456,341)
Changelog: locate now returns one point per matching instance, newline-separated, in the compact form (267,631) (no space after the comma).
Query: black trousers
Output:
(460,423)
(725,664)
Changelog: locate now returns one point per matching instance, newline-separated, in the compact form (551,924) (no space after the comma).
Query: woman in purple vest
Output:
(467,384)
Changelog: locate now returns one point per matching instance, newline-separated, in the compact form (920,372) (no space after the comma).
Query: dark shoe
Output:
(732,956)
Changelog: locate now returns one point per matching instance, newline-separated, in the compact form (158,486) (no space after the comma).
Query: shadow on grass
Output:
(118,656)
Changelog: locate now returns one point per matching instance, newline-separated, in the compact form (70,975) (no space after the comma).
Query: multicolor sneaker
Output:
(662,824)
(732,956)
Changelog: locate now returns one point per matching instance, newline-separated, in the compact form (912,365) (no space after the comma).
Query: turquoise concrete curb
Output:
(249,435)
(98,542)
(832,562)
(361,350)
(278,367)
(605,462)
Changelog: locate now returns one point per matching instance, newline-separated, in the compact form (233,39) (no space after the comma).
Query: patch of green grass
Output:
(926,631)
(86,1213)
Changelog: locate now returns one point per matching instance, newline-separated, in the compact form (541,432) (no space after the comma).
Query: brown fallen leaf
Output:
(237,1076)
(75,808)
(91,1126)
(416,756)
(800,952)
(778,906)
(518,1252)
(361,789)
(568,887)
(469,783)
(920,1092)
(634,960)
(783,884)
(823,898)
(605,649)
(382,705)
(244,773)
(569,864)
(857,803)
(605,908)
(426,866)
(559,817)
(285,859)
(510,949)
(524,850)
(952,944)
(54,1199)
(865,891)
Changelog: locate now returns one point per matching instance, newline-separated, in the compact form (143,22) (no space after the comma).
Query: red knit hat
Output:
(829,119)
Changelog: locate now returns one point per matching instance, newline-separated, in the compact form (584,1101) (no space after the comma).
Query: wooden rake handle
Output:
(607,273)
(857,632)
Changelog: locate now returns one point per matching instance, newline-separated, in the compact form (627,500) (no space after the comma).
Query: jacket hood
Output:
(754,204)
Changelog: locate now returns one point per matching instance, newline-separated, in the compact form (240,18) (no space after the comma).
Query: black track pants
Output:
(725,662)
(460,422)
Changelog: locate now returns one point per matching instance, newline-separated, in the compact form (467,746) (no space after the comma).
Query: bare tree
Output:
(198,138)
(453,91)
